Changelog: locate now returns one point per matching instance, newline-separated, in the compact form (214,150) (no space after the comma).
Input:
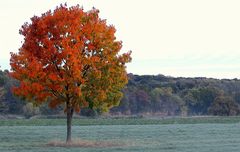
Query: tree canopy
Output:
(70,57)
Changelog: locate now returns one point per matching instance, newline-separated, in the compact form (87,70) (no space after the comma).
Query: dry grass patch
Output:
(85,143)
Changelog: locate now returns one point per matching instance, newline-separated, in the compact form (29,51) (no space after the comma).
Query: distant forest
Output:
(157,95)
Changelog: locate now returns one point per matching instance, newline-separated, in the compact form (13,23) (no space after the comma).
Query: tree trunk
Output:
(69,123)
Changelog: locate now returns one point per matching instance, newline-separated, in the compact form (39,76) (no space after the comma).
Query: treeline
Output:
(146,95)
(169,96)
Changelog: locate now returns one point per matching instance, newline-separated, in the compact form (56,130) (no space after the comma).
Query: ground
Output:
(215,134)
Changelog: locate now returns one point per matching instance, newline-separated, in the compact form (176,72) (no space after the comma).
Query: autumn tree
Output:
(70,56)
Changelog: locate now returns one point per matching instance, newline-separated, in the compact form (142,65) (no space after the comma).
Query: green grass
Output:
(203,137)
(195,134)
(119,121)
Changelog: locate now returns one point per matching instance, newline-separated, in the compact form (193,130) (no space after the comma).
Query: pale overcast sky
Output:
(189,38)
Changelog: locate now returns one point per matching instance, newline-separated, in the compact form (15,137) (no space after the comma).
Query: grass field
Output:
(203,134)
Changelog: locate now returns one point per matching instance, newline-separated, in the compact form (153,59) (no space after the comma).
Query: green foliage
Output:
(224,106)
(8,102)
(3,107)
(30,110)
(199,99)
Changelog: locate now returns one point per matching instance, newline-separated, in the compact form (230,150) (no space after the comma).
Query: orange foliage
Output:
(70,56)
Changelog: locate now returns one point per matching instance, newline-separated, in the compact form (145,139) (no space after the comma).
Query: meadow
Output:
(198,134)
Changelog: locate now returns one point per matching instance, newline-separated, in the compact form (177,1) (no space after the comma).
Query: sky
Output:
(179,38)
